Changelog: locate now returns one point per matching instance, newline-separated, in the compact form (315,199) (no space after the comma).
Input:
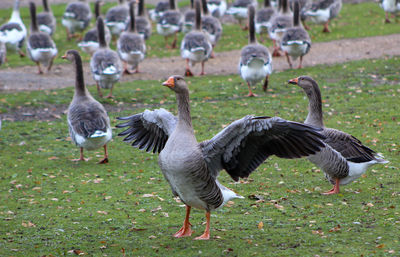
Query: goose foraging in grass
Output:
(211,26)
(279,23)
(158,11)
(295,41)
(188,18)
(322,11)
(46,20)
(130,46)
(88,122)
(76,17)
(255,60)
(117,18)
(195,46)
(105,64)
(239,10)
(13,33)
(391,7)
(344,158)
(263,17)
(143,24)
(40,47)
(170,23)
(217,8)
(192,168)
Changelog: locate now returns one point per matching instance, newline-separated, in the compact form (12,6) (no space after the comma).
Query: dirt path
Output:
(225,63)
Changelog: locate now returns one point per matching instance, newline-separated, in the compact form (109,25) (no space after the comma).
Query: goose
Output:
(390,7)
(170,23)
(195,46)
(255,62)
(105,64)
(279,23)
(159,10)
(217,8)
(211,26)
(76,17)
(46,20)
(40,47)
(90,42)
(117,17)
(344,158)
(322,11)
(295,41)
(3,52)
(188,18)
(13,33)
(191,168)
(130,45)
(263,17)
(239,10)
(88,122)
(143,24)
(304,6)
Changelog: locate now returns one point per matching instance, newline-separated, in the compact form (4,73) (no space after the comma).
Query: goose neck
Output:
(315,115)
(184,118)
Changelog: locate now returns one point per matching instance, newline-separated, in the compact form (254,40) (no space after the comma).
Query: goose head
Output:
(70,55)
(305,82)
(177,84)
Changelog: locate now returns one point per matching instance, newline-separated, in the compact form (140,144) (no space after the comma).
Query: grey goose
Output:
(158,11)
(46,20)
(263,17)
(217,8)
(188,18)
(239,10)
(211,26)
(279,23)
(76,17)
(192,168)
(117,17)
(322,11)
(143,24)
(170,23)
(391,7)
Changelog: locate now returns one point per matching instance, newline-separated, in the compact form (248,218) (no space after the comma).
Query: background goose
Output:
(76,17)
(117,18)
(195,46)
(390,7)
(279,23)
(3,52)
(295,41)
(143,24)
(188,18)
(211,26)
(105,64)
(46,20)
(90,42)
(88,122)
(130,46)
(239,10)
(217,8)
(192,168)
(255,60)
(13,33)
(322,11)
(170,23)
(159,10)
(344,158)
(40,47)
(263,17)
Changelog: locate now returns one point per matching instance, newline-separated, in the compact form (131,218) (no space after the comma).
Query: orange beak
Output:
(169,82)
(294,81)
(64,57)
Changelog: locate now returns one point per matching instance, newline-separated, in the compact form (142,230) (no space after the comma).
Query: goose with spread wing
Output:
(192,168)
(345,158)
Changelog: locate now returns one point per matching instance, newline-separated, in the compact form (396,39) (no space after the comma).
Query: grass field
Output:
(52,206)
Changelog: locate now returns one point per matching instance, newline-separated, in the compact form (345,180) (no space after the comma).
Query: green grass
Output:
(356,20)
(51,205)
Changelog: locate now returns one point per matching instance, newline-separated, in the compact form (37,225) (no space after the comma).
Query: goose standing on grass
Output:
(195,46)
(188,18)
(130,46)
(170,23)
(217,8)
(90,42)
(322,11)
(117,17)
(158,11)
(76,17)
(192,168)
(345,158)
(13,33)
(391,7)
(263,17)
(88,122)
(40,47)
(105,64)
(255,60)
(239,10)
(279,23)
(46,20)
(3,52)
(295,41)
(143,24)
(211,26)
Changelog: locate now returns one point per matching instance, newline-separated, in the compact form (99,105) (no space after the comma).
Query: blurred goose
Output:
(304,6)
(76,17)
(3,52)
(295,41)
(188,18)
(105,64)
(170,23)
(279,23)
(13,33)
(46,20)
(263,17)
(322,11)
(211,26)
(90,42)
(192,168)
(143,24)
(130,46)
(345,158)
(40,47)
(88,122)
(117,17)
(217,8)
(390,7)
(255,60)
(157,12)
(239,10)
(195,46)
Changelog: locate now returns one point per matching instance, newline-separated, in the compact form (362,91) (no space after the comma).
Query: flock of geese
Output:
(191,167)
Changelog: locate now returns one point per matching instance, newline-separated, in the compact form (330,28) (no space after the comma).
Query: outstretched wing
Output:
(246,143)
(148,130)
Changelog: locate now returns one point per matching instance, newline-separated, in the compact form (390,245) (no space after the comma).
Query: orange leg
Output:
(202,69)
(288,60)
(188,72)
(99,90)
(326,27)
(110,95)
(334,190)
(206,234)
(265,85)
(300,63)
(39,68)
(105,159)
(173,45)
(250,94)
(81,158)
(387,20)
(185,230)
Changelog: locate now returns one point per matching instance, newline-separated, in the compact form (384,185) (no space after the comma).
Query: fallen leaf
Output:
(260,225)
(78,252)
